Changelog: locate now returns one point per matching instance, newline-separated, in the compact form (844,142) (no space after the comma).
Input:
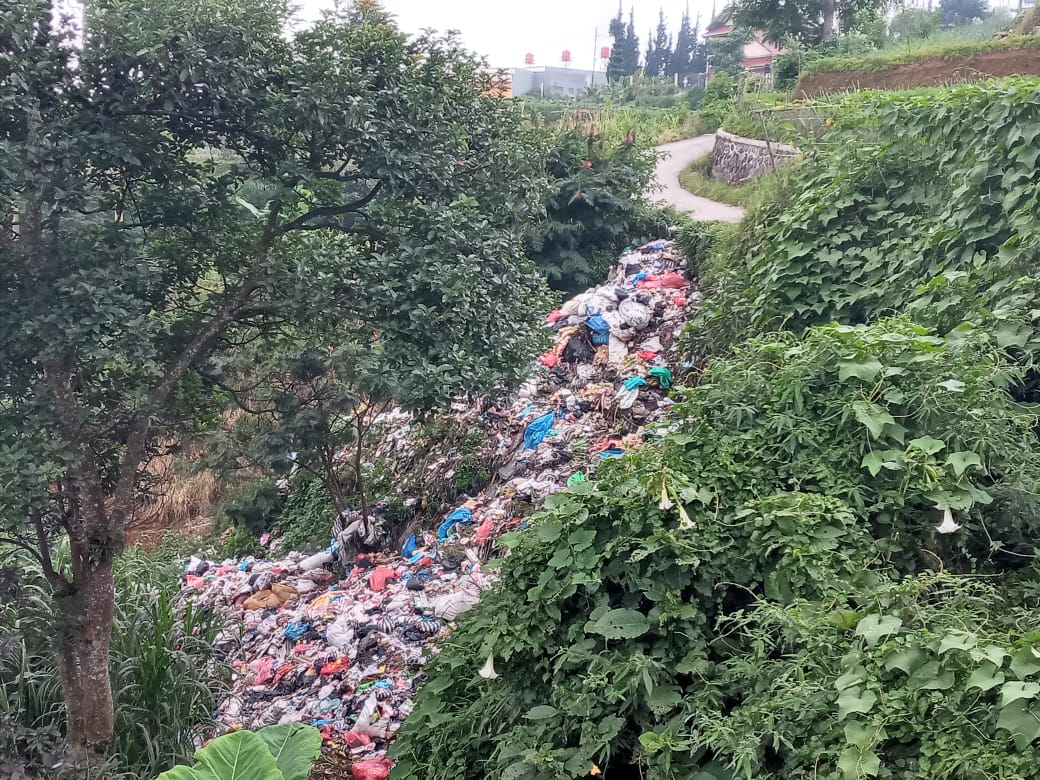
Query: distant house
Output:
(758,52)
(555,82)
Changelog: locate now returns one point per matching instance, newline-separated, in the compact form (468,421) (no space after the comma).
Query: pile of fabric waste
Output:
(338,639)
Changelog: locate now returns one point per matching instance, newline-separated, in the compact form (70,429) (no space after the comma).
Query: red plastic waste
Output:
(372,768)
(673,280)
(485,530)
(339,665)
(679,300)
(355,739)
(380,576)
(554,315)
(646,354)
(549,359)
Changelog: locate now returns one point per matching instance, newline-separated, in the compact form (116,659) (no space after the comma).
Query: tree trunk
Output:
(84,637)
(828,20)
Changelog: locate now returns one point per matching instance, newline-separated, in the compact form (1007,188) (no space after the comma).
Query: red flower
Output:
(586,163)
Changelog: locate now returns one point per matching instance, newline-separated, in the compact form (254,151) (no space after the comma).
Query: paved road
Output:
(678,156)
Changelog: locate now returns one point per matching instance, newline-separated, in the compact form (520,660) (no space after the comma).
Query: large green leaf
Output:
(620,624)
(238,756)
(294,747)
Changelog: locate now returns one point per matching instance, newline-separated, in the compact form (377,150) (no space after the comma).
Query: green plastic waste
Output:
(663,375)
(575,478)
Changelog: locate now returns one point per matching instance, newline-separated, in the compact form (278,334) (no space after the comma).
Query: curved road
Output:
(677,156)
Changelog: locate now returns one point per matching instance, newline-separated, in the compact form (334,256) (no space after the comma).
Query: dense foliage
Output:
(354,181)
(927,204)
(764,593)
(596,206)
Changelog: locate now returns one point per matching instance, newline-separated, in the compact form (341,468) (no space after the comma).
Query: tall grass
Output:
(650,126)
(166,676)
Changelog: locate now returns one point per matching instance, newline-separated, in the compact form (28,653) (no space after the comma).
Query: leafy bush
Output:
(696,240)
(594,207)
(927,50)
(756,595)
(306,520)
(940,224)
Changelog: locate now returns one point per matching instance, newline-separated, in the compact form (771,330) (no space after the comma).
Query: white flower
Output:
(947,526)
(488,670)
(665,503)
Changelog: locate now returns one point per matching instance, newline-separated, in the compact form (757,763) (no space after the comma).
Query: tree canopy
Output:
(182,178)
(807,21)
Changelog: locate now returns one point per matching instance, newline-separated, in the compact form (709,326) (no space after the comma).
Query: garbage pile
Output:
(338,639)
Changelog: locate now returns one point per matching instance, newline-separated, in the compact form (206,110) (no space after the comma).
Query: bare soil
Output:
(924,73)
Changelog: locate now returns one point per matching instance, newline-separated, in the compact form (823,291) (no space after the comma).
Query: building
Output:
(555,82)
(758,52)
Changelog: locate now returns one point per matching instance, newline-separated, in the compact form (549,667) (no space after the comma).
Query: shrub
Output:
(941,224)
(696,240)
(595,205)
(756,594)
(282,752)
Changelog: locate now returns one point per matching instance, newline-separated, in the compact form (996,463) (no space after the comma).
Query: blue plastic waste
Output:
(409,547)
(600,329)
(537,430)
(613,453)
(634,382)
(460,515)
(296,630)
(639,277)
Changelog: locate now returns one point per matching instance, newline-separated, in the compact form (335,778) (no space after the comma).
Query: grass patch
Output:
(697,179)
(887,58)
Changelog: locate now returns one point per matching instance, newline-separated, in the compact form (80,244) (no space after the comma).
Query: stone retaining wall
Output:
(736,160)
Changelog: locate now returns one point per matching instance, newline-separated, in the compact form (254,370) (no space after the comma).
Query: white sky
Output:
(504,32)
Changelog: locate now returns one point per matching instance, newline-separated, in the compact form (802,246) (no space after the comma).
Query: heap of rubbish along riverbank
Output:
(342,646)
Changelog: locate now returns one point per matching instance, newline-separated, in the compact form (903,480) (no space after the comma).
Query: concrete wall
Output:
(735,159)
(555,82)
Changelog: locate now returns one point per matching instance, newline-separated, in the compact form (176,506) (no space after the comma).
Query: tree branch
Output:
(301,222)
(57,580)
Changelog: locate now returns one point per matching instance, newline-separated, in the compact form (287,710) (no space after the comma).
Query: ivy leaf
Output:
(541,712)
(873,627)
(1016,690)
(985,678)
(927,444)
(961,460)
(872,416)
(855,763)
(1021,721)
(862,735)
(865,369)
(957,640)
(852,700)
(907,659)
(620,624)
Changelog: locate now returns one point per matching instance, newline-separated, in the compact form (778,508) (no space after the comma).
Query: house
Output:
(555,82)
(758,52)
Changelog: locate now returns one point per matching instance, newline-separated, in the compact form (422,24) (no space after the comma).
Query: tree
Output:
(699,51)
(912,23)
(631,45)
(807,21)
(617,65)
(680,64)
(957,12)
(726,53)
(129,259)
(659,51)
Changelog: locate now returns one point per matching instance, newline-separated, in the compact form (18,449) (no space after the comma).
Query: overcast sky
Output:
(504,32)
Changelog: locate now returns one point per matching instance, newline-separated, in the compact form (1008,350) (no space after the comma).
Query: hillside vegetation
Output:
(827,569)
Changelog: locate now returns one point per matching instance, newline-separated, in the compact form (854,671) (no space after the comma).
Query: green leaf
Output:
(541,712)
(863,369)
(927,444)
(853,700)
(873,417)
(241,755)
(961,460)
(620,624)
(855,763)
(1016,689)
(985,678)
(179,773)
(873,627)
(294,747)
(957,640)
(953,385)
(907,659)
(1021,721)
